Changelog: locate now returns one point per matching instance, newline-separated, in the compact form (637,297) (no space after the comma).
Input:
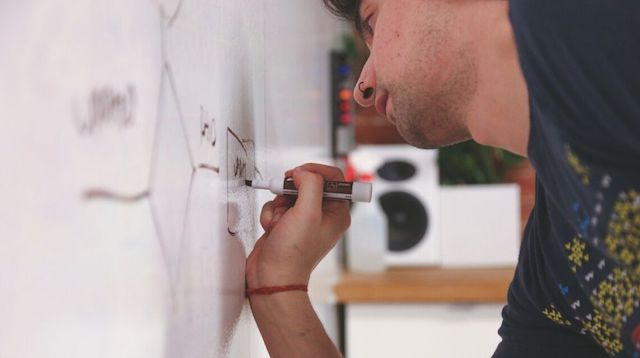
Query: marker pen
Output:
(339,190)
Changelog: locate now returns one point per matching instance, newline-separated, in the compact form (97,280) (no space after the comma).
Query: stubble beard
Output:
(431,119)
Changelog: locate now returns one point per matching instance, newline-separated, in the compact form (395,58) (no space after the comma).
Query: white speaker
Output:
(405,185)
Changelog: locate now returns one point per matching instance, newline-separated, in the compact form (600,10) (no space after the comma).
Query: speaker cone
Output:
(396,170)
(407,219)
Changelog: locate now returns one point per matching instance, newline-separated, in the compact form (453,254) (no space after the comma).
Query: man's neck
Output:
(499,115)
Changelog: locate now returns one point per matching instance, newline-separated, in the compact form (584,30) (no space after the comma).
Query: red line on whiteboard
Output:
(209,167)
(102,194)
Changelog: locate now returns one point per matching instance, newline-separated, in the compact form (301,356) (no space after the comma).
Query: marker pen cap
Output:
(361,192)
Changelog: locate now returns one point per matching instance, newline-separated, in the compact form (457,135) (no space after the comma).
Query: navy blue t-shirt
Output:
(576,291)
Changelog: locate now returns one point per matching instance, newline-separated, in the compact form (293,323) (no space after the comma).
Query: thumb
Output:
(310,187)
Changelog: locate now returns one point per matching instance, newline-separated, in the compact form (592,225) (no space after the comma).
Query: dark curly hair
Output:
(346,9)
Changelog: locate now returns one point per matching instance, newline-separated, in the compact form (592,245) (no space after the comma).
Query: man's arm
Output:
(290,326)
(298,234)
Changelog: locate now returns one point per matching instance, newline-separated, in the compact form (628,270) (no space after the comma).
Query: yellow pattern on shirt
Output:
(577,255)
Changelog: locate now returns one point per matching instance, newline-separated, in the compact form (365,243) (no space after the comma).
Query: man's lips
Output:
(383,107)
(381,104)
(389,110)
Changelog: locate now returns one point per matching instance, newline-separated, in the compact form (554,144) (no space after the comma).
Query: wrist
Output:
(290,326)
(278,303)
(273,307)
(270,290)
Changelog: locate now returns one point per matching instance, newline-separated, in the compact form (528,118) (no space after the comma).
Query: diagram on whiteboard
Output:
(174,167)
(198,161)
(134,126)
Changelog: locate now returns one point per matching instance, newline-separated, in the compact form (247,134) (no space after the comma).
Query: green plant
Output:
(349,46)
(472,163)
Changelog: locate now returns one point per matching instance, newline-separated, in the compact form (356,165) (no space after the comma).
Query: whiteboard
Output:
(127,130)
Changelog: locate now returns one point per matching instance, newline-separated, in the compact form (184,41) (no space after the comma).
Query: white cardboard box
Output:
(480,225)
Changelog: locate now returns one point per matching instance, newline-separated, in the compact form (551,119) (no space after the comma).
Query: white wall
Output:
(123,220)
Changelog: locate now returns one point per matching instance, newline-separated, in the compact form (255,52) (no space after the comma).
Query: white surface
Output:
(367,240)
(480,225)
(421,330)
(140,99)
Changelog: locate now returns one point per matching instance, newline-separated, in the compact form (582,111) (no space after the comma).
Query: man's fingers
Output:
(283,201)
(327,172)
(278,213)
(333,208)
(266,215)
(310,186)
(273,210)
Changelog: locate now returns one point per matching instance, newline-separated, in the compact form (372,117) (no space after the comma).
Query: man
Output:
(554,80)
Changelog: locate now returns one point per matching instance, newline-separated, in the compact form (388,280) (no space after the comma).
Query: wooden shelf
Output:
(413,285)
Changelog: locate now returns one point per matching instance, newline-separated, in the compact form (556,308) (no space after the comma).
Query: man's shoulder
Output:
(579,59)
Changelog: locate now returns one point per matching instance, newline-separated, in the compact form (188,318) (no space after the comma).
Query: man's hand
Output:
(298,232)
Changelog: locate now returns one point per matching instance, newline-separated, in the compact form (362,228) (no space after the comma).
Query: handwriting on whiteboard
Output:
(105,107)
(207,127)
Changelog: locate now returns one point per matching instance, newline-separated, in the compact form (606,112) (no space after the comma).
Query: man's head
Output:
(422,68)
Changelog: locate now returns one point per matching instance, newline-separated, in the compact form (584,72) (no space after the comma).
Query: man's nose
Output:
(363,94)
(365,88)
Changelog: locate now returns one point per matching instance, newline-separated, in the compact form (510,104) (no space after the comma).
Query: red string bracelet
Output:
(275,289)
